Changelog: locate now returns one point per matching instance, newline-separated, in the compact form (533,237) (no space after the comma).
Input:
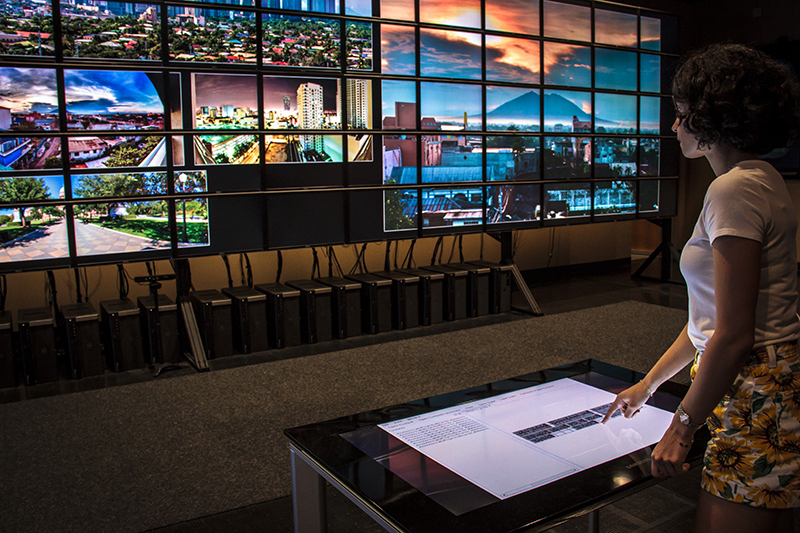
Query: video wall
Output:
(136,131)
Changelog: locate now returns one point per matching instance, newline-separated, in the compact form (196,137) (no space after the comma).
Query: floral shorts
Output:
(753,456)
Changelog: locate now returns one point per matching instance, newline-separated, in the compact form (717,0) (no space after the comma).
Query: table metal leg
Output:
(594,521)
(308,494)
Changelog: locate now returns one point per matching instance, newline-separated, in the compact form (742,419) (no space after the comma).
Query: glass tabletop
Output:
(518,454)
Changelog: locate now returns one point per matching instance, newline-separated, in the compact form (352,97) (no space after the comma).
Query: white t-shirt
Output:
(750,201)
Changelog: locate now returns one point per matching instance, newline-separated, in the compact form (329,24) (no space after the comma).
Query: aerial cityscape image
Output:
(212,35)
(26,28)
(111,30)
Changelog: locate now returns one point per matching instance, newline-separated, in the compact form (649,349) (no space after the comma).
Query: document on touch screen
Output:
(515,442)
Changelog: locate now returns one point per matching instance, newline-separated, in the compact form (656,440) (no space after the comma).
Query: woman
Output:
(740,266)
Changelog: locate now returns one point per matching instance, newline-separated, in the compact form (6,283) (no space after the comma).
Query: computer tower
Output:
(159,333)
(8,374)
(405,298)
(283,314)
(249,318)
(38,345)
(345,306)
(212,309)
(500,286)
(315,310)
(122,334)
(430,289)
(454,293)
(80,329)
(477,288)
(376,302)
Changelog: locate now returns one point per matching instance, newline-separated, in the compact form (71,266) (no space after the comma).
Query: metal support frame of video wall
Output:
(166,129)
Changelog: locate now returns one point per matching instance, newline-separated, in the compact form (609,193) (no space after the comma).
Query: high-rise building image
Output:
(310,114)
(287,101)
(358,104)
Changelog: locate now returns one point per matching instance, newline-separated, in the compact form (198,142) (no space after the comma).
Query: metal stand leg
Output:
(594,521)
(507,257)
(308,494)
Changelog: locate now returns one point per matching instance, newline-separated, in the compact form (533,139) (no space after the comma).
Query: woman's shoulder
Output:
(752,174)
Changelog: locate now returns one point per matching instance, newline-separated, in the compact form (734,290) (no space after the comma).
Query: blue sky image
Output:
(447,102)
(396,91)
(110,92)
(54,186)
(615,69)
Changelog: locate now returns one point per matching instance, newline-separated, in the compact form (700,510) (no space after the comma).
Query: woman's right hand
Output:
(629,401)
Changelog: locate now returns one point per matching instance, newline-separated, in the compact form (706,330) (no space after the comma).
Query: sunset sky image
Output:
(28,89)
(513,16)
(450,54)
(398,49)
(397,9)
(512,59)
(457,54)
(216,90)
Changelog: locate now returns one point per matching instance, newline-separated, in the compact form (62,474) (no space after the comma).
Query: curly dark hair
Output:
(738,96)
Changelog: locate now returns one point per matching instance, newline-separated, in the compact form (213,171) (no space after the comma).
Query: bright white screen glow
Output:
(515,442)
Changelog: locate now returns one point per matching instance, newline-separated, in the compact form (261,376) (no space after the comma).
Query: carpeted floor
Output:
(146,455)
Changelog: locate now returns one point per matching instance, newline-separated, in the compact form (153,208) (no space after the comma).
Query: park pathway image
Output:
(50,242)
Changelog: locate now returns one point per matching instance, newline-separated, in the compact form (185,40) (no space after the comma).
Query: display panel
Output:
(567,200)
(27,28)
(614,197)
(452,206)
(114,100)
(510,203)
(615,113)
(568,20)
(615,27)
(513,157)
(512,109)
(615,157)
(401,209)
(615,69)
(30,153)
(450,54)
(488,450)
(107,151)
(111,30)
(300,41)
(224,101)
(566,64)
(512,59)
(453,107)
(568,111)
(512,16)
(471,96)
(121,227)
(212,35)
(29,232)
(29,101)
(466,14)
(398,50)
(397,9)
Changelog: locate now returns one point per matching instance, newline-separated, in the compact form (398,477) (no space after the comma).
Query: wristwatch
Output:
(685,419)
